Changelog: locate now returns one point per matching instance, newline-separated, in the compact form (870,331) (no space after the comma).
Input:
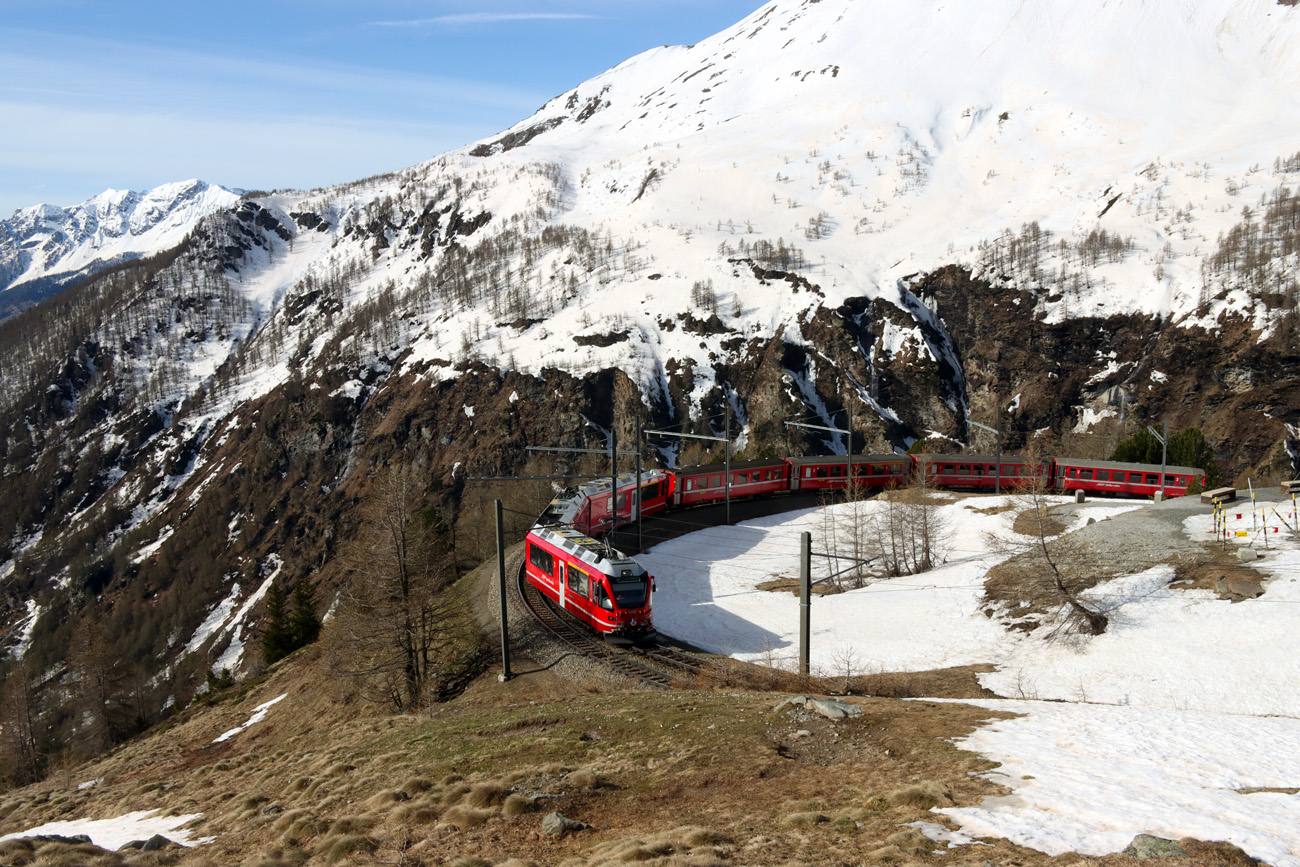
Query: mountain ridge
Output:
(45,248)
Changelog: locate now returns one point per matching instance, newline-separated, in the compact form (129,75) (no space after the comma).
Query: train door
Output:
(576,583)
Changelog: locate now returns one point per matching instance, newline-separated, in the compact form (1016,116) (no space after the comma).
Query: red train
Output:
(603,588)
(610,591)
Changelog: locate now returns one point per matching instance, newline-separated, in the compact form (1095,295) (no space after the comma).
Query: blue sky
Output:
(292,93)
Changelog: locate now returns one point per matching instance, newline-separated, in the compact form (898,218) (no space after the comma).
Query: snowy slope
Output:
(882,139)
(52,246)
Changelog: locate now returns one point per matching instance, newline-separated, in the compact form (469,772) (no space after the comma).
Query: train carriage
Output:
(707,484)
(586,507)
(980,472)
(1113,477)
(869,471)
(604,588)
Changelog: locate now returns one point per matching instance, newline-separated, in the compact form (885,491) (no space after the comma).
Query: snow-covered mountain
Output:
(1082,215)
(45,248)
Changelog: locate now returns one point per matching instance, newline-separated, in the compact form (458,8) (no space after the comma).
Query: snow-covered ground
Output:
(114,833)
(1087,778)
(1157,726)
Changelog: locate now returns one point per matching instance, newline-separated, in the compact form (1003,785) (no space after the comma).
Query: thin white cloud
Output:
(486,18)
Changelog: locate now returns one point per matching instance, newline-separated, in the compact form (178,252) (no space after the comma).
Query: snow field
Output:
(1165,724)
(1087,778)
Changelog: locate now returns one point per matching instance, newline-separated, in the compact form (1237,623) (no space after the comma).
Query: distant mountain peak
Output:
(44,248)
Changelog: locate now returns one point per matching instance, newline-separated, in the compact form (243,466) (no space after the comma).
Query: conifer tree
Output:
(277,636)
(304,625)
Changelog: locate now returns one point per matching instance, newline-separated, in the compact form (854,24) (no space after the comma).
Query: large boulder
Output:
(1146,846)
(555,825)
(827,707)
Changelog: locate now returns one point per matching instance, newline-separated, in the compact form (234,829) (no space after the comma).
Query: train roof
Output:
(805,460)
(705,469)
(564,509)
(1122,465)
(975,459)
(604,558)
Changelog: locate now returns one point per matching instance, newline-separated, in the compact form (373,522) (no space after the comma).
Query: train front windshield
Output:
(630,592)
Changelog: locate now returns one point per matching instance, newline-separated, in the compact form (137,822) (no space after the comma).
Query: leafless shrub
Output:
(1045,566)
(907,533)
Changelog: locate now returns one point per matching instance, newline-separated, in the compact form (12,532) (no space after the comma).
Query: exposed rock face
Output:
(1132,366)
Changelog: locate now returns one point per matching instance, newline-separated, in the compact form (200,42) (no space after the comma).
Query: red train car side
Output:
(980,471)
(869,471)
(586,507)
(1112,477)
(707,484)
(603,588)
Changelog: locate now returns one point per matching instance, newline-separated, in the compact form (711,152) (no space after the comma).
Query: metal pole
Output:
(1164,458)
(848,449)
(805,599)
(726,444)
(638,481)
(613,471)
(998,484)
(501,592)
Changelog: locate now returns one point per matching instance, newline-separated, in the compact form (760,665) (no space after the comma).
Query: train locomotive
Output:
(611,593)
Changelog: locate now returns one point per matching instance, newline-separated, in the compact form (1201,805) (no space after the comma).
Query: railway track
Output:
(658,666)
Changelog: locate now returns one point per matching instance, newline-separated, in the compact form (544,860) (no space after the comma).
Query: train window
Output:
(716,482)
(601,597)
(1170,480)
(650,492)
(630,593)
(837,472)
(1153,478)
(1085,474)
(821,472)
(1024,470)
(541,558)
(577,581)
(978,469)
(963,470)
(1073,473)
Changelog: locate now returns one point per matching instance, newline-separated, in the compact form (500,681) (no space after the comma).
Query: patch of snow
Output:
(234,652)
(27,629)
(215,620)
(259,714)
(113,834)
(1087,778)
(1089,417)
(149,550)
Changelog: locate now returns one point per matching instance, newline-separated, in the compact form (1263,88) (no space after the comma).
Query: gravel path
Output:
(1137,540)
